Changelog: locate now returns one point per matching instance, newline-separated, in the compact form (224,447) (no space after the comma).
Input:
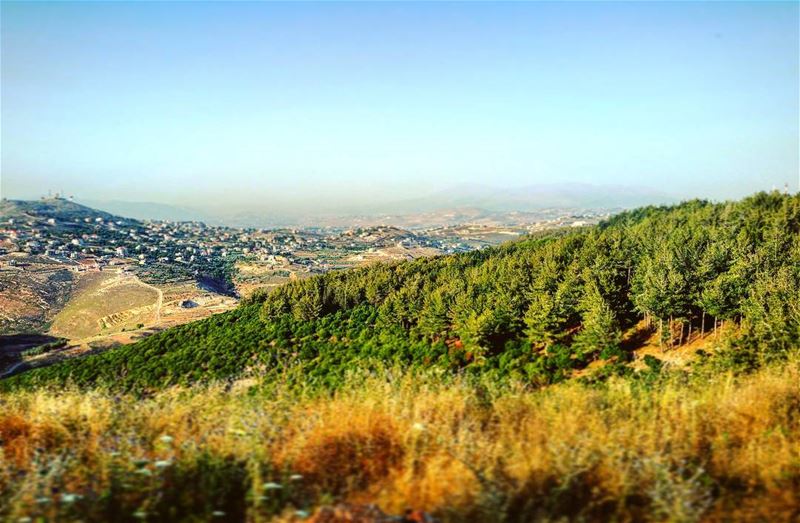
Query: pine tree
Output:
(600,332)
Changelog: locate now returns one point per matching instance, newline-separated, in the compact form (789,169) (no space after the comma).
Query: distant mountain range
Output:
(542,196)
(148,210)
(460,204)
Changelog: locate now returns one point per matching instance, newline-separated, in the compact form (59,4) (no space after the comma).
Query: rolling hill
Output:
(646,369)
(540,310)
(57,208)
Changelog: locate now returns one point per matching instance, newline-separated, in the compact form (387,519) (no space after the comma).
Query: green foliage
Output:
(532,310)
(44,348)
(653,363)
(600,332)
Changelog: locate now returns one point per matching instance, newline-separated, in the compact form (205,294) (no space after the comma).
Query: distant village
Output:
(89,240)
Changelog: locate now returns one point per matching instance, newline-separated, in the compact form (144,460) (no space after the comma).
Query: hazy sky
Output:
(244,103)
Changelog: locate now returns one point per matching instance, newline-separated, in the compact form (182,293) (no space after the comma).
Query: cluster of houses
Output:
(95,240)
(91,243)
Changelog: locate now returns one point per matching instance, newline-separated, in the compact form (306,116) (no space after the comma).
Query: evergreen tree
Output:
(600,333)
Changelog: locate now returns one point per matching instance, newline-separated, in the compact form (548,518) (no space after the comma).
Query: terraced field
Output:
(107,302)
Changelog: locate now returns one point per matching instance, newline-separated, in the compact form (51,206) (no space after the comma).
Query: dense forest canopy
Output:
(531,310)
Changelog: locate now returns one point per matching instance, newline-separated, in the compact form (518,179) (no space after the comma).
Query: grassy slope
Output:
(98,296)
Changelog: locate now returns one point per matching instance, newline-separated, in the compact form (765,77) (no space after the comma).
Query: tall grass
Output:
(716,449)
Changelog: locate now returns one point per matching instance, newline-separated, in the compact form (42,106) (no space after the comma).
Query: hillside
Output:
(69,272)
(34,288)
(646,369)
(58,208)
(535,311)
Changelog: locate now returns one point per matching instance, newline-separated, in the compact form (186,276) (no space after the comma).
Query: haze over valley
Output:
(458,204)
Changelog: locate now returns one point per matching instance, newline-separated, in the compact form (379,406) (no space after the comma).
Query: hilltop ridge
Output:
(62,209)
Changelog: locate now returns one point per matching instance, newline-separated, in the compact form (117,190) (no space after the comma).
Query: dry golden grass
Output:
(720,449)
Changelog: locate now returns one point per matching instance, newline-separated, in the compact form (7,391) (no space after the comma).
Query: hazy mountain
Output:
(148,210)
(540,196)
(459,204)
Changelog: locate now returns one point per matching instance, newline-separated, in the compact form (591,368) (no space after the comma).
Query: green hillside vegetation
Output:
(529,311)
(434,385)
(59,208)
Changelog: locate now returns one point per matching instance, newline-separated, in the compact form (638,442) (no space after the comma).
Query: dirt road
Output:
(159,301)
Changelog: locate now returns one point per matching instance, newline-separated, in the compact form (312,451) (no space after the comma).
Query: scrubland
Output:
(713,447)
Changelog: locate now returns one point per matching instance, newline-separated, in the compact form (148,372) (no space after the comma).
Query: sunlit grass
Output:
(716,448)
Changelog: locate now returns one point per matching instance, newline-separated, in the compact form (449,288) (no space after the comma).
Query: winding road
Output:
(159,302)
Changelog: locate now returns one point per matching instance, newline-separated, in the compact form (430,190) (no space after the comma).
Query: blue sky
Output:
(245,103)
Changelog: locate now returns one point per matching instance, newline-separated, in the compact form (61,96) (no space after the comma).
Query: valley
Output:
(647,366)
(97,280)
(399,262)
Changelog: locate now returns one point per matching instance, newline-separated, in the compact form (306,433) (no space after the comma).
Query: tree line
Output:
(684,269)
(530,310)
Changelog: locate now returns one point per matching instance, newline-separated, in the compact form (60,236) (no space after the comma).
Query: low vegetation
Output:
(534,311)
(44,348)
(678,449)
